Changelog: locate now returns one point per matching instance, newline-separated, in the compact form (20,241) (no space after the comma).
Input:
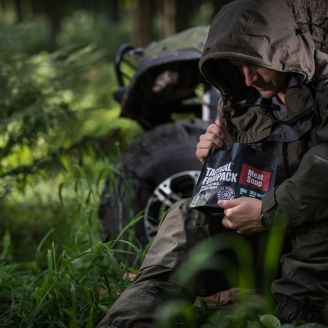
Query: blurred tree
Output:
(143,22)
(55,10)
(177,15)
(169,17)
(113,10)
(184,10)
(18,11)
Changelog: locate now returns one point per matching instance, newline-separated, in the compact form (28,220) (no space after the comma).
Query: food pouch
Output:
(240,171)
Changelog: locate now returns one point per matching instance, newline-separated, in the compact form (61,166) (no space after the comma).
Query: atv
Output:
(161,88)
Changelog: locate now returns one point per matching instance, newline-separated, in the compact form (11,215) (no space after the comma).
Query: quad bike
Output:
(159,86)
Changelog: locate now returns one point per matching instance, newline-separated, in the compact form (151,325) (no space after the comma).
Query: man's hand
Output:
(216,135)
(242,214)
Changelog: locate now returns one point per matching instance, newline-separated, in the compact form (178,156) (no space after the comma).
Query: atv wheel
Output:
(159,169)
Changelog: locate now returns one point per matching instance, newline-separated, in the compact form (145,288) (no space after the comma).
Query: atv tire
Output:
(159,169)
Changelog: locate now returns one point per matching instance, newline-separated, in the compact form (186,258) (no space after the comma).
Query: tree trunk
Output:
(142,23)
(177,14)
(18,11)
(169,17)
(55,11)
(114,12)
(37,7)
(184,11)
(110,8)
(3,5)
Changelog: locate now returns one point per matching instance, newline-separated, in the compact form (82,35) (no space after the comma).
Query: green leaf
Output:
(6,246)
(270,321)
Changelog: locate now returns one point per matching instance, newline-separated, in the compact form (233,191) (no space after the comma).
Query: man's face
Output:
(266,81)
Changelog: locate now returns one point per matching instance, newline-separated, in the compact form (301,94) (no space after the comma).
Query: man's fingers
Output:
(204,146)
(228,203)
(210,143)
(207,143)
(218,131)
(210,136)
(201,154)
(226,223)
(216,135)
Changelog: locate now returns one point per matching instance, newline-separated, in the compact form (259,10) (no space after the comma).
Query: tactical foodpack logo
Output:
(214,184)
(223,173)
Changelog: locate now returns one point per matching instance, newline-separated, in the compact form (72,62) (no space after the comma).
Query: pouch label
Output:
(255,178)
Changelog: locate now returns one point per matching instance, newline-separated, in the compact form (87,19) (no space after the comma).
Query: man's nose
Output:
(250,75)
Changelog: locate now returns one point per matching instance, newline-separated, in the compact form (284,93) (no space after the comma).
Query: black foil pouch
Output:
(240,171)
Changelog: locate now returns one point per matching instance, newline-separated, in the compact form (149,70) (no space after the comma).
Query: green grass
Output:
(61,136)
(55,270)
(73,290)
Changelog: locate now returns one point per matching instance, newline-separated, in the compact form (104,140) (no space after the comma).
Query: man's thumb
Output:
(227,203)
(218,121)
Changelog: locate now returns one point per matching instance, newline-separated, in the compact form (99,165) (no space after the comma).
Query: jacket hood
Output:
(261,32)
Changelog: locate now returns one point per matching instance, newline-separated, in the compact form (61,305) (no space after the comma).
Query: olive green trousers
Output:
(301,289)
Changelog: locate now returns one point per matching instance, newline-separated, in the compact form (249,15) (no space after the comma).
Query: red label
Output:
(255,178)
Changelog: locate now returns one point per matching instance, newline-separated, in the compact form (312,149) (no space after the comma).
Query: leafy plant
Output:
(29,37)
(247,310)
(84,28)
(74,289)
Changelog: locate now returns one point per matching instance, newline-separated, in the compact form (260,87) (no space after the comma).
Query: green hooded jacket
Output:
(264,32)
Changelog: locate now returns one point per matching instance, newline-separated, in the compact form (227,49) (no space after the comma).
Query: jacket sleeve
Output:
(303,197)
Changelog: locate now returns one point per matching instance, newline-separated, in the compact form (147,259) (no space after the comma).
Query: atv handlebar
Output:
(120,58)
